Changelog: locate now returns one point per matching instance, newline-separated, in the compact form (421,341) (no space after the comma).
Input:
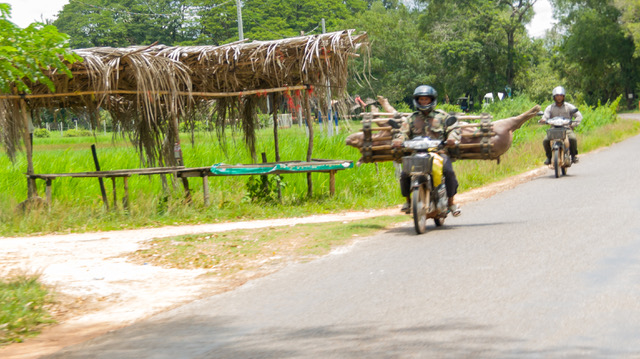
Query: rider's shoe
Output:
(455,210)
(406,207)
(574,159)
(547,161)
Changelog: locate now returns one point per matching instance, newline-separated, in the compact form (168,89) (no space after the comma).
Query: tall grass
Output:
(77,203)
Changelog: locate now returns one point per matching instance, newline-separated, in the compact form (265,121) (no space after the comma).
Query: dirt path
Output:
(101,291)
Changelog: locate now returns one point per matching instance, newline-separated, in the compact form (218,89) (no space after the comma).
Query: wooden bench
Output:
(273,168)
(124,174)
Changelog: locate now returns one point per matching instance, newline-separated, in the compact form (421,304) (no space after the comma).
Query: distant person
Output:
(563,109)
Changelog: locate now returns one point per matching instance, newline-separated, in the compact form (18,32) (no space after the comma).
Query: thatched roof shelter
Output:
(149,90)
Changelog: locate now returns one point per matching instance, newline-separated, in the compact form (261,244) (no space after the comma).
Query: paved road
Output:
(550,269)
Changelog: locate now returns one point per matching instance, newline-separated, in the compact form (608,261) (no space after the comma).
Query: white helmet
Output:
(558,91)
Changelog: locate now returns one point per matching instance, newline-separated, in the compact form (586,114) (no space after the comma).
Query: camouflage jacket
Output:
(431,125)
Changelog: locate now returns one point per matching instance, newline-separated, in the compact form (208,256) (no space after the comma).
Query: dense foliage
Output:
(25,54)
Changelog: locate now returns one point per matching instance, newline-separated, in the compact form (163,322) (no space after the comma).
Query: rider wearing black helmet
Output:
(560,108)
(427,121)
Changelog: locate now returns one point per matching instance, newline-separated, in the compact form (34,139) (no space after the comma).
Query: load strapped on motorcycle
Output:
(424,165)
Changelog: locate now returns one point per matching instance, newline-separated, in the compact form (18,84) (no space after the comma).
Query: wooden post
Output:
(332,182)
(125,198)
(274,106)
(264,178)
(205,189)
(48,190)
(32,191)
(115,195)
(307,109)
(100,181)
(177,151)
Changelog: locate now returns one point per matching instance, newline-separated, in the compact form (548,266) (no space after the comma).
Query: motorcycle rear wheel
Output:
(420,200)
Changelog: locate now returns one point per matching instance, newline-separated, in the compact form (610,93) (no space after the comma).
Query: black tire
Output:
(439,222)
(556,164)
(420,199)
(566,163)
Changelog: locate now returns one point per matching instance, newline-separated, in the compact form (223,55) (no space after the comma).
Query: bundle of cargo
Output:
(484,140)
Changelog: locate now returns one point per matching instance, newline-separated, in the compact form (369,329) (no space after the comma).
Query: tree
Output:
(26,54)
(398,62)
(120,23)
(480,46)
(630,10)
(218,21)
(596,55)
(274,19)
(518,14)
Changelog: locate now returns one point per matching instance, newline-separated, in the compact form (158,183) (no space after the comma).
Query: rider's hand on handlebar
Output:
(450,143)
(396,143)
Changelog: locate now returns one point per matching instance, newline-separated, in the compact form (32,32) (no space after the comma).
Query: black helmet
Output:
(428,91)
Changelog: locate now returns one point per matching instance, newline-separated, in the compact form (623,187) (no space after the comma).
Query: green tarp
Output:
(266,168)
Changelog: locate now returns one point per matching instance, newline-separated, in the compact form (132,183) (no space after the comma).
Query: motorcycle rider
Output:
(560,108)
(427,121)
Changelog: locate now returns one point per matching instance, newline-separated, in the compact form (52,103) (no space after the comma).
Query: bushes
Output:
(41,133)
(77,133)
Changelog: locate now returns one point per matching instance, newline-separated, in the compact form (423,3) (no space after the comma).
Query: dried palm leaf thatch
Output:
(148,90)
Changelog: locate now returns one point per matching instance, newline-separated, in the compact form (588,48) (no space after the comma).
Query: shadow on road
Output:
(448,227)
(210,336)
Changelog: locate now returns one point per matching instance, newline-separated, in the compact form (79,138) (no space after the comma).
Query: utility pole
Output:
(239,8)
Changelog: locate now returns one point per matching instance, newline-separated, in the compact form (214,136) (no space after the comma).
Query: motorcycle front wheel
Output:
(420,200)
(556,162)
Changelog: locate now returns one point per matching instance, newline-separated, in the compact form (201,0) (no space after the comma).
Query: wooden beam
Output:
(145,93)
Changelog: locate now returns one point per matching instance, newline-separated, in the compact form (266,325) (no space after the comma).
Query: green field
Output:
(77,203)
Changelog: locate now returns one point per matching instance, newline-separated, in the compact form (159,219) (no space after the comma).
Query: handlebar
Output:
(423,143)
(559,122)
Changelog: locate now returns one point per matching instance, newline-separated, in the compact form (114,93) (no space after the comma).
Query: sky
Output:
(24,12)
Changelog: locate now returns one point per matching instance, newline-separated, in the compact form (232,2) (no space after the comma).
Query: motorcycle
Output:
(429,194)
(561,157)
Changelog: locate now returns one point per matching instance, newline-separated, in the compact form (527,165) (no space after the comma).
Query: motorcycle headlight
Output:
(418,145)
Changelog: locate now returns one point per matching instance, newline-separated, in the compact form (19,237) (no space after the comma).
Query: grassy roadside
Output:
(227,253)
(24,311)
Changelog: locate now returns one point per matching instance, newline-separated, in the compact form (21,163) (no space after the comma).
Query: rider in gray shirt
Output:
(566,110)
